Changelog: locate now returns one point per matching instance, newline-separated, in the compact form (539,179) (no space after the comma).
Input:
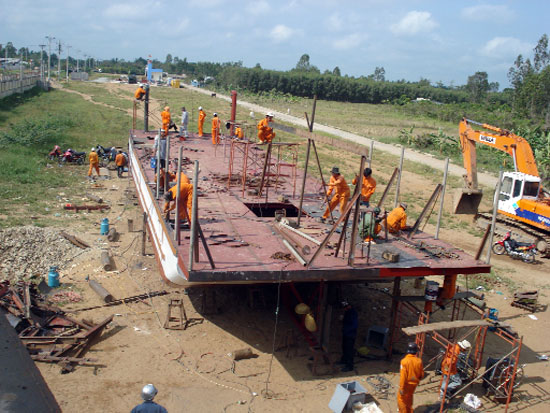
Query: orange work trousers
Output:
(338,198)
(92,167)
(201,124)
(405,401)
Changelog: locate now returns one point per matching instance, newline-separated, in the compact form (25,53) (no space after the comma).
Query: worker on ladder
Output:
(451,379)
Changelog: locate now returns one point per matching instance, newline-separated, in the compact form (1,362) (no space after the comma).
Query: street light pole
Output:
(50,38)
(68,49)
(42,62)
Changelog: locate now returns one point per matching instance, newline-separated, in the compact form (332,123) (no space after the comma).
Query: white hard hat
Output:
(200,107)
(148,392)
(269,114)
(93,149)
(464,345)
(215,114)
(251,114)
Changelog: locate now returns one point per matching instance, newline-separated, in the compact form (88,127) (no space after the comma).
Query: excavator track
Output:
(520,231)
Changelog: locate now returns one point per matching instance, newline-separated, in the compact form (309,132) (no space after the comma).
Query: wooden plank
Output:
(445,325)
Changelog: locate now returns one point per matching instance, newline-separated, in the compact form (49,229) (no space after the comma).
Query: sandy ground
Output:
(193,370)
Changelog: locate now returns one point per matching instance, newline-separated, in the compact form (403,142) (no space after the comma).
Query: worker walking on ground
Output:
(265,130)
(184,122)
(397,219)
(448,368)
(350,322)
(340,187)
(148,393)
(94,162)
(215,129)
(202,117)
(186,201)
(368,186)
(410,373)
(140,93)
(120,161)
(370,227)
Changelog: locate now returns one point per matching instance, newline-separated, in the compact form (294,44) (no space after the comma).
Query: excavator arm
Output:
(501,139)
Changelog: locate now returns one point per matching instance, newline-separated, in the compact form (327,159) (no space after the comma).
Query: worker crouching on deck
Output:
(265,130)
(339,186)
(397,219)
(410,373)
(186,201)
(370,225)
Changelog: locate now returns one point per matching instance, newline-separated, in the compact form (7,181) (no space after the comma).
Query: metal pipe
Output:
(440,214)
(493,221)
(370,152)
(166,164)
(144,234)
(355,221)
(178,195)
(194,218)
(233,111)
(146,110)
(106,260)
(157,192)
(300,233)
(295,253)
(398,185)
(303,183)
(105,295)
(322,179)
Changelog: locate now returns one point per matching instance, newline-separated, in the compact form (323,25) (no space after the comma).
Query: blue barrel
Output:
(104,226)
(53,277)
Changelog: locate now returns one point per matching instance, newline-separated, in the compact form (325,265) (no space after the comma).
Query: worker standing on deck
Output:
(166,119)
(160,145)
(148,393)
(341,193)
(397,219)
(215,129)
(410,373)
(120,162)
(368,186)
(186,200)
(140,93)
(448,368)
(184,122)
(265,130)
(350,322)
(94,162)
(202,117)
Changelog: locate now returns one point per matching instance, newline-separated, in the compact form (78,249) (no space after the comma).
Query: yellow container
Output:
(176,83)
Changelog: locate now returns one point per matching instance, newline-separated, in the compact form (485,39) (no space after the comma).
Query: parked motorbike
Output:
(520,250)
(106,155)
(71,156)
(55,153)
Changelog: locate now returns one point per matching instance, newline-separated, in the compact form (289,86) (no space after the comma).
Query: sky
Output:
(442,41)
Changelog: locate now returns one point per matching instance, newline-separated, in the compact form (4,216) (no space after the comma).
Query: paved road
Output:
(410,154)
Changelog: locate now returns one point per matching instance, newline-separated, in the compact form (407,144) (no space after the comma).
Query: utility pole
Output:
(77,61)
(58,60)
(68,49)
(42,62)
(85,61)
(50,38)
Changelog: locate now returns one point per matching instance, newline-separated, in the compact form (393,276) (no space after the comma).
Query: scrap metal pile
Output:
(47,332)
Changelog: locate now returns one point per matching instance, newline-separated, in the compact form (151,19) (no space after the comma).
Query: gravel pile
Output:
(28,251)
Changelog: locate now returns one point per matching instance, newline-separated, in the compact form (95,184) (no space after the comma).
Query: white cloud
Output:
(280,33)
(335,22)
(124,11)
(483,12)
(500,47)
(414,22)
(348,42)
(258,7)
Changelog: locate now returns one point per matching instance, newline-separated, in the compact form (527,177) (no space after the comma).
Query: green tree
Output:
(379,74)
(478,86)
(336,71)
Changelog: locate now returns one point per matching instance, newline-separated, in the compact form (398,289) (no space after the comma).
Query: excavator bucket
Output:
(466,201)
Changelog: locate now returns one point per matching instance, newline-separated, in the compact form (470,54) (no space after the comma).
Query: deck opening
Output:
(268,209)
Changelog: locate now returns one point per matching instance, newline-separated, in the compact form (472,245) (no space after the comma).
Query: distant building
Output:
(153,75)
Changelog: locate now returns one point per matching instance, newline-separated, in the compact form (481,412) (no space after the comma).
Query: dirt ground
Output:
(193,369)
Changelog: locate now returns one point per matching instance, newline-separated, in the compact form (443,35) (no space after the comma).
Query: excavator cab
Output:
(467,200)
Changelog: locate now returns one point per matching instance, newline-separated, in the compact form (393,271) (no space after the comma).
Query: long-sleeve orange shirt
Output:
(202,116)
(368,186)
(239,132)
(397,219)
(265,132)
(120,159)
(448,366)
(411,371)
(139,93)
(165,116)
(94,158)
(339,184)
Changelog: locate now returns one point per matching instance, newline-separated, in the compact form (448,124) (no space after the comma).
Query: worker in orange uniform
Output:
(370,227)
(215,129)
(265,130)
(341,193)
(94,162)
(120,161)
(166,119)
(397,219)
(140,93)
(186,200)
(368,186)
(448,368)
(239,134)
(410,373)
(202,117)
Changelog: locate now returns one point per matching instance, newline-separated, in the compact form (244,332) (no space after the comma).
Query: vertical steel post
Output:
(370,152)
(442,199)
(398,185)
(146,110)
(353,241)
(166,163)
(493,221)
(304,182)
(144,234)
(233,112)
(178,206)
(158,165)
(194,218)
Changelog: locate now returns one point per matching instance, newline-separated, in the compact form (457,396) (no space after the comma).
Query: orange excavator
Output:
(523,204)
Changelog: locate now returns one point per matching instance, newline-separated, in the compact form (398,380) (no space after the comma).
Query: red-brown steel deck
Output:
(243,245)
